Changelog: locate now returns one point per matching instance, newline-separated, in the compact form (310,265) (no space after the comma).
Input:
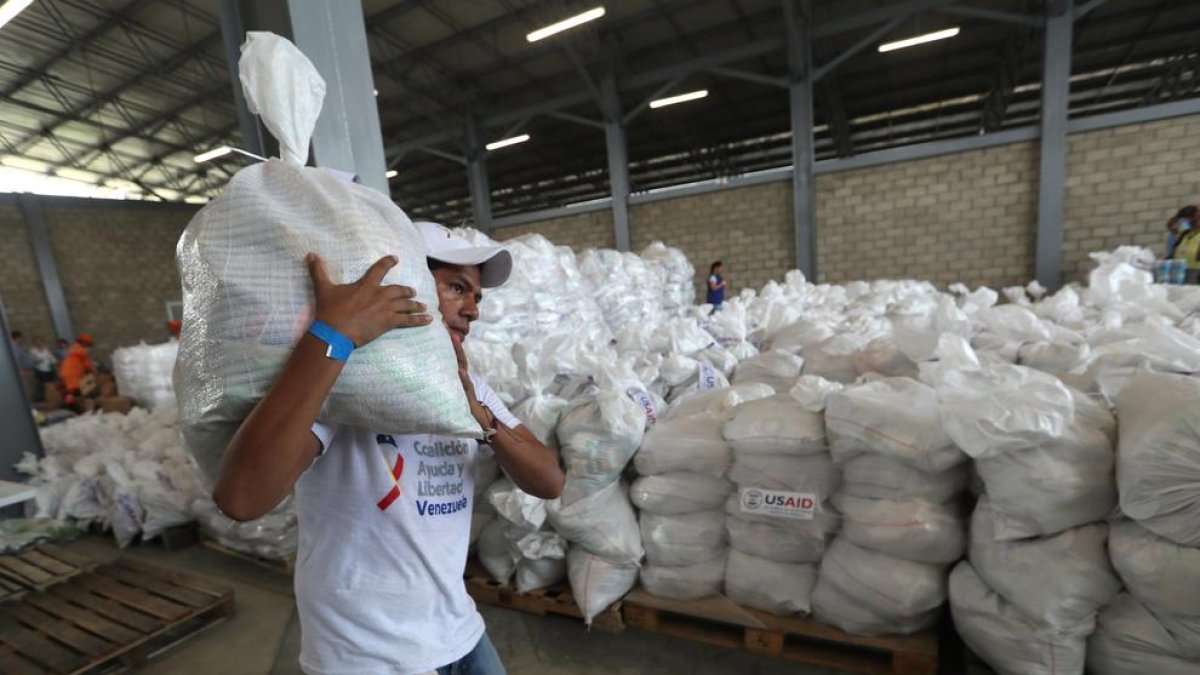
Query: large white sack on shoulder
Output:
(1059,582)
(684,444)
(1000,635)
(1158,455)
(775,425)
(813,474)
(515,505)
(680,492)
(917,530)
(685,582)
(247,293)
(781,540)
(831,606)
(536,573)
(1129,640)
(883,357)
(1062,483)
(720,402)
(775,587)
(603,522)
(597,583)
(834,358)
(1160,573)
(684,539)
(886,586)
(495,552)
(777,368)
(993,409)
(880,477)
(897,416)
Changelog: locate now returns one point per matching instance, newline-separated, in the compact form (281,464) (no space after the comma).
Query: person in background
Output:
(61,349)
(24,362)
(75,367)
(379,574)
(44,372)
(1178,226)
(716,285)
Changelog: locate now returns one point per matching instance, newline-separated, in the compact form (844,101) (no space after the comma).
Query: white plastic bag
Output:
(830,605)
(597,583)
(912,529)
(1158,457)
(776,368)
(834,358)
(897,417)
(692,443)
(680,492)
(888,587)
(1130,641)
(813,474)
(247,297)
(535,573)
(684,539)
(1161,574)
(602,522)
(775,425)
(598,435)
(999,634)
(775,587)
(517,506)
(717,401)
(495,552)
(686,582)
(1058,582)
(880,477)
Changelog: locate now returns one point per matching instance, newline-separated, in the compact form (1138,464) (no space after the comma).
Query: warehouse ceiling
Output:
(123,93)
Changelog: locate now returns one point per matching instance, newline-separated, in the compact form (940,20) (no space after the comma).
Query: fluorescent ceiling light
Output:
(212,154)
(681,98)
(12,8)
(918,40)
(392,173)
(375,91)
(565,24)
(505,142)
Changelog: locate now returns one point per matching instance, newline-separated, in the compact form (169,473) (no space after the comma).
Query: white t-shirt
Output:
(379,569)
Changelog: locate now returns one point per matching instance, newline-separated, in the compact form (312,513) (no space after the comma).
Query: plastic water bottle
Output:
(1162,271)
(1181,270)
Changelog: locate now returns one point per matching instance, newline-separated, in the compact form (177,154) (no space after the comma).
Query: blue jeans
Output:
(482,660)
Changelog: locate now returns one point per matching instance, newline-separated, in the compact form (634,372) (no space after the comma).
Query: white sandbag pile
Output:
(143,373)
(518,541)
(679,290)
(779,519)
(128,472)
(247,295)
(903,523)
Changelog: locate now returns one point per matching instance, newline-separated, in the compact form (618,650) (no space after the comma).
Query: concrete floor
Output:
(263,635)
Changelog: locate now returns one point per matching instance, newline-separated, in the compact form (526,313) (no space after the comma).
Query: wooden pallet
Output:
(719,621)
(109,619)
(286,566)
(556,599)
(37,568)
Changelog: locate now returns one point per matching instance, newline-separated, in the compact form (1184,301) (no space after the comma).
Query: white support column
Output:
(1056,74)
(800,100)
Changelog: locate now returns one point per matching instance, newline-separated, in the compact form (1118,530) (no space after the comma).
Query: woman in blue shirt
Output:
(716,285)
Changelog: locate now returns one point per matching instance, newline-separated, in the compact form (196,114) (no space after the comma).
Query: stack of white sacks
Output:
(143,373)
(903,523)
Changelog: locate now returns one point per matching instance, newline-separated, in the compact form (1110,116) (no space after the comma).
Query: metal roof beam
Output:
(992,15)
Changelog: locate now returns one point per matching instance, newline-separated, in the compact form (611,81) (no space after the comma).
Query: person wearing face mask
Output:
(1186,240)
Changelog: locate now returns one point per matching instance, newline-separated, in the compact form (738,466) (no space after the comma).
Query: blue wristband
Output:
(340,346)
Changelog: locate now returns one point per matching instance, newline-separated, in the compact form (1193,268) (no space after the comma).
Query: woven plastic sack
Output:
(602,522)
(598,435)
(685,582)
(1130,641)
(1000,635)
(1163,576)
(775,425)
(1058,582)
(536,573)
(776,368)
(888,587)
(597,583)
(916,530)
(834,358)
(692,443)
(495,553)
(247,295)
(781,540)
(1158,457)
(684,539)
(775,587)
(718,401)
(682,492)
(813,474)
(897,417)
(830,605)
(879,477)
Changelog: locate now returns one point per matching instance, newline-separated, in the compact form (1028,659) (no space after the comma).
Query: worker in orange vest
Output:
(76,366)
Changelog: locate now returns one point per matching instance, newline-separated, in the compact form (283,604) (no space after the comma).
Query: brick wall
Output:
(961,217)
(580,232)
(1124,183)
(20,285)
(745,228)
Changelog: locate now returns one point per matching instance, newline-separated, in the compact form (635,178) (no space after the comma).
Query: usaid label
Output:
(798,505)
(708,377)
(642,397)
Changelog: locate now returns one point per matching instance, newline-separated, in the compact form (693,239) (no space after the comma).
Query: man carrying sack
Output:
(384,520)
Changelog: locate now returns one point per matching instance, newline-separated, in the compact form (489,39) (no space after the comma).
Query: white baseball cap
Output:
(495,262)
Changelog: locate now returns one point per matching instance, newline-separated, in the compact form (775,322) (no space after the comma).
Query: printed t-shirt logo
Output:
(395,471)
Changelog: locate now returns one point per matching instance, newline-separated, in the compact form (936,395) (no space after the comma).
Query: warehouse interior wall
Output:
(116,261)
(969,216)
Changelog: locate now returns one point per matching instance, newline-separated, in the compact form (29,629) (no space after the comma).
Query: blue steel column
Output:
(618,160)
(800,102)
(39,237)
(1056,85)
(477,176)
